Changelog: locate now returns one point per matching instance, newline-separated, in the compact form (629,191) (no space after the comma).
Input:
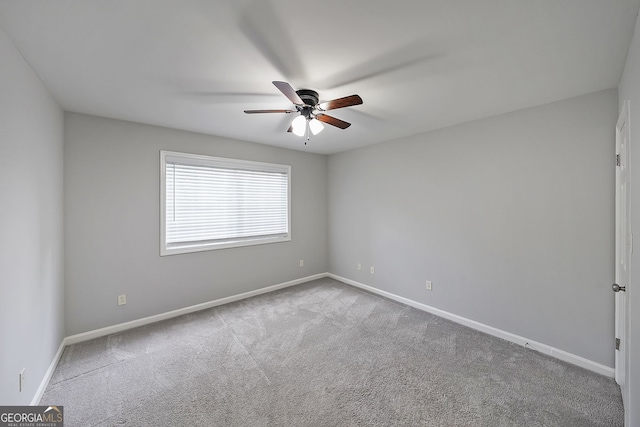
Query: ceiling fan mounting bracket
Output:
(308,96)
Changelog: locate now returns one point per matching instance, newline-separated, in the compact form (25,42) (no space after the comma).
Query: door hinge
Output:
(617,343)
(617,159)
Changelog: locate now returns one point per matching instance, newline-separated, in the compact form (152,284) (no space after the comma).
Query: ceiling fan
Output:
(311,111)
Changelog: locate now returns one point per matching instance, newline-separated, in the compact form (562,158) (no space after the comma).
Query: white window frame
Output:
(203,160)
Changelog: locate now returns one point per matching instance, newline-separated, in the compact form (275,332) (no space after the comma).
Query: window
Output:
(214,203)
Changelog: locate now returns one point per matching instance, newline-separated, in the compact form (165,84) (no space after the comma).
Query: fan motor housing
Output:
(308,96)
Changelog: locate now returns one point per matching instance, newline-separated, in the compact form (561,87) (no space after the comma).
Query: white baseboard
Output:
(542,348)
(97,333)
(47,376)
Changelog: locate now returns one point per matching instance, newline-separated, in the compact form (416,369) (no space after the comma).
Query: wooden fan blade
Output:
(267,111)
(347,101)
(330,120)
(289,92)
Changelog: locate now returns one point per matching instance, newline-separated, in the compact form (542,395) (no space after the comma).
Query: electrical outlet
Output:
(372,270)
(122,299)
(301,263)
(22,379)
(428,285)
(359,266)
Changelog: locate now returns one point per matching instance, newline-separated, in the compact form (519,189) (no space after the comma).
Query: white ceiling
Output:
(418,65)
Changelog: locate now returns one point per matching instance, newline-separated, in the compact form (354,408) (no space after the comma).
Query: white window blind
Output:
(214,203)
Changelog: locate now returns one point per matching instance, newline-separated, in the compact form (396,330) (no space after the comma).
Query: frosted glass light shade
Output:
(316,126)
(299,125)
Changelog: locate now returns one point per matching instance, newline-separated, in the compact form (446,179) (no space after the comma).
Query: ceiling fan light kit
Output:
(306,102)
(303,126)
(315,126)
(299,125)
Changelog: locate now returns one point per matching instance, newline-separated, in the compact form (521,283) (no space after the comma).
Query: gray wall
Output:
(630,89)
(511,217)
(112,185)
(31,247)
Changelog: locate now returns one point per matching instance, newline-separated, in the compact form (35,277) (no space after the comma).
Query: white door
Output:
(623,239)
